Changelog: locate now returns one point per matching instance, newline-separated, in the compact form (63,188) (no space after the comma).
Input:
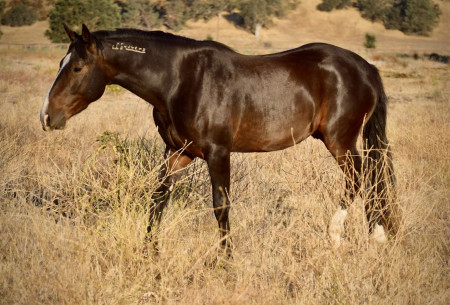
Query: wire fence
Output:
(50,47)
(247,48)
(34,46)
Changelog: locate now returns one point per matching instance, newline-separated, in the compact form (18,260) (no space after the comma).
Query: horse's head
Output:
(80,81)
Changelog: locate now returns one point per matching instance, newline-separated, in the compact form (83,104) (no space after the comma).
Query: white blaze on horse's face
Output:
(44,110)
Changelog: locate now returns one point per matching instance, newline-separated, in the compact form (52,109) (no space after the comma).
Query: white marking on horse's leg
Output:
(336,227)
(44,109)
(378,234)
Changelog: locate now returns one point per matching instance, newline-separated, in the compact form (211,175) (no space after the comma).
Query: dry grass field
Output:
(74,206)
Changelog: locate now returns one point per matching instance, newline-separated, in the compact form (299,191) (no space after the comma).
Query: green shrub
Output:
(19,15)
(329,5)
(370,41)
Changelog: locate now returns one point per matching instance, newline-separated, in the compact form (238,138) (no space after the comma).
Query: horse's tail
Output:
(379,169)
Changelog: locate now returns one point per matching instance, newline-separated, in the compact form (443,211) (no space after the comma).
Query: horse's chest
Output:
(176,136)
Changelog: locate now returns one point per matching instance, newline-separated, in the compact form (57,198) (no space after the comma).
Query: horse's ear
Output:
(89,40)
(69,32)
(86,35)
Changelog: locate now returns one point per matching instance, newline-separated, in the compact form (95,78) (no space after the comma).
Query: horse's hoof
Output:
(336,227)
(378,235)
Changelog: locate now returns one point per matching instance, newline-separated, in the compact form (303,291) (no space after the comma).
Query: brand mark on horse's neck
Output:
(128,47)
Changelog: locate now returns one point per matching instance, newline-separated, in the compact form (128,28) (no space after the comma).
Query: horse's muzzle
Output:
(49,124)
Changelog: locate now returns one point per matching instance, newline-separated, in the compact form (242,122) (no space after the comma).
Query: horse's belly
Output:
(274,117)
(270,137)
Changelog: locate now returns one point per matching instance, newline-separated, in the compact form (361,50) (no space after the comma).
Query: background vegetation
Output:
(99,14)
(412,17)
(409,16)
(416,17)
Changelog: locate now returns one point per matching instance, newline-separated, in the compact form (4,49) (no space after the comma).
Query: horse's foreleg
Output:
(170,172)
(218,160)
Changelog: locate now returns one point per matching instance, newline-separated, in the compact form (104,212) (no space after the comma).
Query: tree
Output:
(412,16)
(2,8)
(258,13)
(40,7)
(417,17)
(420,17)
(206,9)
(96,14)
(172,13)
(175,13)
(393,17)
(373,9)
(19,15)
(141,13)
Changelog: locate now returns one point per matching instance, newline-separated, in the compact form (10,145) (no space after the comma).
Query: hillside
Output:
(345,28)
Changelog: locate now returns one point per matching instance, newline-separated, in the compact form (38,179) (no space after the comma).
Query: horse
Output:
(209,101)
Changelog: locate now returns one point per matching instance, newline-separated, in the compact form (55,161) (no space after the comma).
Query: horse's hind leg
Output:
(169,174)
(350,162)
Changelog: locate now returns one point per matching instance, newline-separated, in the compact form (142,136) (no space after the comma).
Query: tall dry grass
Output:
(74,207)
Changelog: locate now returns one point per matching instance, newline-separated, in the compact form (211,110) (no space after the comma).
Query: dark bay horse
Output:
(210,101)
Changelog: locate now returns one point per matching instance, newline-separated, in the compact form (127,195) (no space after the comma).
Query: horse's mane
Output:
(124,33)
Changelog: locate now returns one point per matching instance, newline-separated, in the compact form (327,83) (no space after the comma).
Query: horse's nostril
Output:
(45,122)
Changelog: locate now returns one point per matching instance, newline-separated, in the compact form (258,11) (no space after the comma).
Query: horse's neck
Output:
(140,70)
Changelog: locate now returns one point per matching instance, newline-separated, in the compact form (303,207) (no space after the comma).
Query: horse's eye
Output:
(76,69)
